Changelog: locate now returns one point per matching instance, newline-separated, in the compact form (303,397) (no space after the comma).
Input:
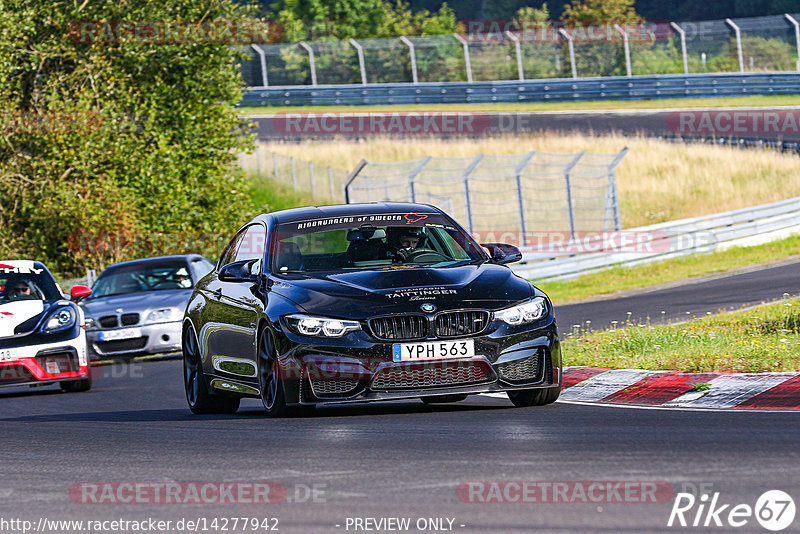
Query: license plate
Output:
(123,333)
(6,355)
(433,350)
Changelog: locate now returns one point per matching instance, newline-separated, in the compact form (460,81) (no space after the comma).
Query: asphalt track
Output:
(396,460)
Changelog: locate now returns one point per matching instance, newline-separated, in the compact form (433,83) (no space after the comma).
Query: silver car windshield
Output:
(139,277)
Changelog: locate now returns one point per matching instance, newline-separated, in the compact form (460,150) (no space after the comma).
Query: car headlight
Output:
(61,319)
(163,315)
(527,312)
(320,326)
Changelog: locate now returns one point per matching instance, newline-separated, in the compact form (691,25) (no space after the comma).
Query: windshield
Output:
(28,286)
(371,242)
(146,276)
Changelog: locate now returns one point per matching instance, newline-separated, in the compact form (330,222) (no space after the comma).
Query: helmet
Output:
(395,233)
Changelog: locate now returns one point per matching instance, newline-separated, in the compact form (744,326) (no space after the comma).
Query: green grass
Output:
(762,339)
(741,101)
(619,279)
(269,195)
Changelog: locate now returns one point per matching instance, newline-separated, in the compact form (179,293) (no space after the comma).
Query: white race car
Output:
(42,334)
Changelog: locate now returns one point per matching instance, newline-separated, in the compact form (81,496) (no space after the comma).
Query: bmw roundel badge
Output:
(428,307)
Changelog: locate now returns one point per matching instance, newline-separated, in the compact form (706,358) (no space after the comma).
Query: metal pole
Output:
(263,56)
(738,43)
(350,177)
(465,45)
(520,201)
(682,33)
(796,36)
(294,174)
(311,63)
(258,160)
(275,165)
(568,185)
(410,46)
(360,52)
(518,49)
(413,176)
(612,178)
(330,182)
(568,37)
(467,199)
(625,43)
(311,176)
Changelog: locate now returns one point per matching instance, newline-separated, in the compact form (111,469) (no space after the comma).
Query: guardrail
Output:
(665,240)
(544,90)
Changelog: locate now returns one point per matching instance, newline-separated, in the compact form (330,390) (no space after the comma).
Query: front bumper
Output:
(135,340)
(357,368)
(44,362)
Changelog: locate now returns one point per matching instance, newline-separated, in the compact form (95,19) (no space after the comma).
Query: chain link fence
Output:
(503,194)
(552,50)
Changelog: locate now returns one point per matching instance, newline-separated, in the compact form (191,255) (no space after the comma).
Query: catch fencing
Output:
(538,51)
(496,196)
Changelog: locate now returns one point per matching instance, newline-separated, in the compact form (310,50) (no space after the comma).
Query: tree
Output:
(111,140)
(588,11)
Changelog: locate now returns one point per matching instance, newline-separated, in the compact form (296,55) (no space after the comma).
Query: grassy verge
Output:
(763,339)
(543,106)
(269,195)
(652,274)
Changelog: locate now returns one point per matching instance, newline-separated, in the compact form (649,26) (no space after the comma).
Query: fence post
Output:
(571,46)
(350,177)
(412,194)
(467,199)
(275,165)
(330,182)
(311,177)
(258,159)
(91,277)
(294,174)
(568,185)
(465,45)
(738,42)
(612,189)
(796,36)
(312,66)
(682,33)
(263,57)
(520,200)
(410,46)
(518,50)
(360,52)
(627,47)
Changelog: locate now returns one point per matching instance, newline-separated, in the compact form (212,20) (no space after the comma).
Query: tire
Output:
(271,381)
(533,397)
(197,395)
(443,399)
(77,386)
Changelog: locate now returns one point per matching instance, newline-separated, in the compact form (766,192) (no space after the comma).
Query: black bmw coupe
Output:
(365,302)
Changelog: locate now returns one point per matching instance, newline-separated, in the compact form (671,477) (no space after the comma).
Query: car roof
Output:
(187,257)
(340,210)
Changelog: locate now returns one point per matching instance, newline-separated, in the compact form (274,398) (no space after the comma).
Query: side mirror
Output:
(502,253)
(79,292)
(238,271)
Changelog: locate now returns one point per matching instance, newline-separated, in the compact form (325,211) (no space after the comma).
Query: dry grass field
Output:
(657,181)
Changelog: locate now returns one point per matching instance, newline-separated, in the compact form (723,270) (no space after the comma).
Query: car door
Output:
(239,304)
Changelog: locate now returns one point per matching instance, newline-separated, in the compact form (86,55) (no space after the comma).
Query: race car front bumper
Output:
(38,363)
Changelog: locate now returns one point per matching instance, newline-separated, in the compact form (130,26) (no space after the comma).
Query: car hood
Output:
(363,294)
(13,314)
(141,302)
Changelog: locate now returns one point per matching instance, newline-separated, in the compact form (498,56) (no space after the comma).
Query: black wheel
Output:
(197,396)
(271,381)
(533,397)
(77,386)
(443,399)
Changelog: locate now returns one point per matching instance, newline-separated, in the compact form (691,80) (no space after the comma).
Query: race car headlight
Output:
(524,313)
(163,315)
(320,326)
(61,319)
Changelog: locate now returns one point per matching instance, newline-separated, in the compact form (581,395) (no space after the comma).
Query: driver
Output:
(403,241)
(20,290)
(181,277)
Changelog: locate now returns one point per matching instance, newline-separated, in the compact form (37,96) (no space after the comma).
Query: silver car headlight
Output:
(524,313)
(61,319)
(163,315)
(320,326)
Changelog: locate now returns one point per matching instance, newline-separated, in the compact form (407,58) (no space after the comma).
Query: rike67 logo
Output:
(774,510)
